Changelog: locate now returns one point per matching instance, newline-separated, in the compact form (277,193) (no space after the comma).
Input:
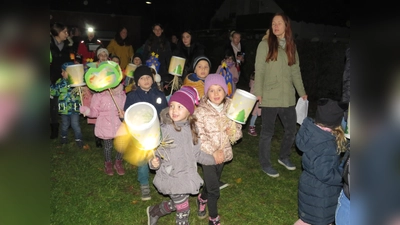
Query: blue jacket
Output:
(320,182)
(153,96)
(69,100)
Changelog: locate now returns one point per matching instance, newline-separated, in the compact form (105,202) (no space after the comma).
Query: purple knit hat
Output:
(187,96)
(217,79)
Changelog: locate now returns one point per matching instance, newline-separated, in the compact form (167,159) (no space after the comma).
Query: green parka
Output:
(276,81)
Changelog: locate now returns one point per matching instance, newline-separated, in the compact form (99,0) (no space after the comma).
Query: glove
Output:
(84,110)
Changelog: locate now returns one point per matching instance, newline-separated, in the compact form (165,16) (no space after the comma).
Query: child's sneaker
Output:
(252,131)
(214,221)
(79,143)
(201,207)
(63,140)
(108,168)
(145,189)
(119,167)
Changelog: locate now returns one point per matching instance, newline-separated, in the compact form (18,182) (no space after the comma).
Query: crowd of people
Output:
(197,110)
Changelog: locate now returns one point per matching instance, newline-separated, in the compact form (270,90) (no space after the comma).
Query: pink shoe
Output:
(119,167)
(252,131)
(108,168)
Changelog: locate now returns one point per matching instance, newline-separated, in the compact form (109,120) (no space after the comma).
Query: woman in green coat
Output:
(277,77)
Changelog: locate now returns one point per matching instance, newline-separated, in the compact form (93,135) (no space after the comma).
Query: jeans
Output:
(143,174)
(73,121)
(288,118)
(342,216)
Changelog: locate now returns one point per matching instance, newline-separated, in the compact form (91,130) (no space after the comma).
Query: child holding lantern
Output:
(145,92)
(217,133)
(103,108)
(175,163)
(69,103)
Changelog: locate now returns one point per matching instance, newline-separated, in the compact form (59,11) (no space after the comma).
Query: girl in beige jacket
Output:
(217,133)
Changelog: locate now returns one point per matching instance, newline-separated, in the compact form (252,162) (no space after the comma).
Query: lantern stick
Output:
(80,95)
(119,110)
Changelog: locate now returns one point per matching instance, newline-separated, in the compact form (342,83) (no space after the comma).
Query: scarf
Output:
(219,108)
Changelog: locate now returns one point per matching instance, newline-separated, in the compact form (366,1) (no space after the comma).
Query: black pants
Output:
(54,110)
(211,192)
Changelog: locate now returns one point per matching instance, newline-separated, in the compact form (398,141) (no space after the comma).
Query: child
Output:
(256,111)
(108,121)
(321,142)
(216,132)
(137,59)
(116,59)
(201,67)
(102,55)
(229,71)
(69,102)
(175,164)
(145,92)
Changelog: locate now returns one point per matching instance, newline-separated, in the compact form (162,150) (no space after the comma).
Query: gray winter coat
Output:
(177,173)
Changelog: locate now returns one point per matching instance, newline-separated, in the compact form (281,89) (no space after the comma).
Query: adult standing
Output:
(236,48)
(189,49)
(60,50)
(277,77)
(87,48)
(159,44)
(121,46)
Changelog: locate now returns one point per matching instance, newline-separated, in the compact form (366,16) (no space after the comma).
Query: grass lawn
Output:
(81,193)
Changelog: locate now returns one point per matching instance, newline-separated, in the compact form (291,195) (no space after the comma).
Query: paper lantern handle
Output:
(112,96)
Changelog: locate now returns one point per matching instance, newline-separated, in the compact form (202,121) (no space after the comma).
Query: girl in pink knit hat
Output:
(217,134)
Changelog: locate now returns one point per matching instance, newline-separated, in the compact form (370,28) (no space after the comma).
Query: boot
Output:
(214,221)
(119,167)
(108,168)
(201,207)
(54,130)
(98,142)
(157,211)
(252,131)
(145,189)
(182,213)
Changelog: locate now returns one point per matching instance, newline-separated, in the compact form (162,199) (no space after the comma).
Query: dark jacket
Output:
(189,53)
(320,182)
(346,78)
(59,57)
(229,48)
(153,96)
(164,56)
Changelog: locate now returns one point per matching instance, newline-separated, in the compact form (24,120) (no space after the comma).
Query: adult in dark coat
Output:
(188,48)
(159,44)
(61,53)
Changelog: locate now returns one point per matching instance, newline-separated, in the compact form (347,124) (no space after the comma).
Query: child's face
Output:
(115,60)
(64,73)
(137,61)
(178,112)
(216,94)
(202,69)
(102,57)
(229,60)
(145,82)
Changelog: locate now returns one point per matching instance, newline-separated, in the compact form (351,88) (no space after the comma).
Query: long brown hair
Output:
(341,140)
(273,42)
(192,121)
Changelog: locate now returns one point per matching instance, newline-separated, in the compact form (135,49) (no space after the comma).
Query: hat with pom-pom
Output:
(186,96)
(217,79)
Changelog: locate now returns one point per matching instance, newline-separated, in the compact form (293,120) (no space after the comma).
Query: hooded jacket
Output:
(104,109)
(320,182)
